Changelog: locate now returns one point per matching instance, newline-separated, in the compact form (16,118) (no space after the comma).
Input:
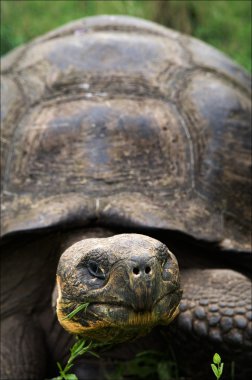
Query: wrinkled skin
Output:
(130,281)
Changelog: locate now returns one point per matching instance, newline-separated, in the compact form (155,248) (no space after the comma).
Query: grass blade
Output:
(77,310)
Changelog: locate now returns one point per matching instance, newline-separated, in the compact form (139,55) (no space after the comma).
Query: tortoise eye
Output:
(95,270)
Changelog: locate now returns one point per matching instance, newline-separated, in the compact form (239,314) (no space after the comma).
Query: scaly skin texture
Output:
(136,288)
(216,314)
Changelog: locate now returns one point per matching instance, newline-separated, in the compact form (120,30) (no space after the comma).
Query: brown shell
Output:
(119,121)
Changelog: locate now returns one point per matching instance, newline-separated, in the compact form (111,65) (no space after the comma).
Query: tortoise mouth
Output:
(145,309)
(120,314)
(117,321)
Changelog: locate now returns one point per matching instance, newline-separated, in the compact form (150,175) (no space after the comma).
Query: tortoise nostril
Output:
(136,270)
(147,270)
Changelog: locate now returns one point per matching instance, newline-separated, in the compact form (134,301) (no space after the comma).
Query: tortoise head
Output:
(129,283)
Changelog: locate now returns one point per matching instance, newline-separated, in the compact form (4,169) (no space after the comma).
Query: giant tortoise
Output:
(121,138)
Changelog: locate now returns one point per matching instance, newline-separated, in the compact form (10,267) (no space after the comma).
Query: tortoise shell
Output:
(118,121)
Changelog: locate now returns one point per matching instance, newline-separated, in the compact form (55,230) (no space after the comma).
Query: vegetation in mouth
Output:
(79,308)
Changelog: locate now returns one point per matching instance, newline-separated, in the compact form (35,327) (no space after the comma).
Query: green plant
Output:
(81,347)
(217,366)
(146,365)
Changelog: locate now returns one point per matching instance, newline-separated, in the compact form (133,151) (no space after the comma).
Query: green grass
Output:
(81,307)
(223,24)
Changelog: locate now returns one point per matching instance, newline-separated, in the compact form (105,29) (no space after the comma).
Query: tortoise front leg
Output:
(23,353)
(215,316)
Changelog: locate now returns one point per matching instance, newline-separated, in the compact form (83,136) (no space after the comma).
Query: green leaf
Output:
(215,370)
(94,354)
(216,358)
(83,351)
(59,366)
(164,370)
(77,310)
(148,353)
(77,346)
(71,376)
(68,366)
(221,369)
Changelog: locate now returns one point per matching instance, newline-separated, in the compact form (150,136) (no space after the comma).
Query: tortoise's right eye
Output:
(95,269)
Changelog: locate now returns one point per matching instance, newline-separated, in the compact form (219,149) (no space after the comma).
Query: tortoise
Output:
(121,138)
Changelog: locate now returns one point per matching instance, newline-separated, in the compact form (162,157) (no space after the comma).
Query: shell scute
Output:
(132,117)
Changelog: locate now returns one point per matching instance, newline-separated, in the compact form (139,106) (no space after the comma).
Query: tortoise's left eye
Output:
(95,270)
